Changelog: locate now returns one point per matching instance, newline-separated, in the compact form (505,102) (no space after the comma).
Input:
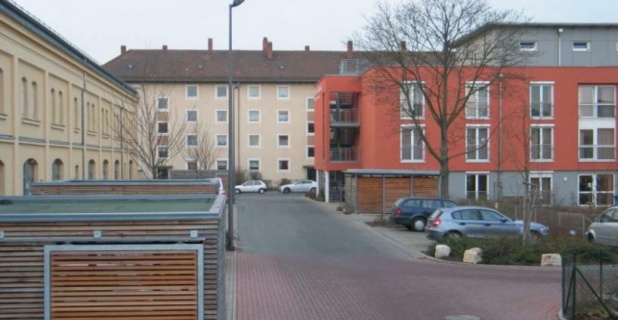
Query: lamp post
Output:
(230,140)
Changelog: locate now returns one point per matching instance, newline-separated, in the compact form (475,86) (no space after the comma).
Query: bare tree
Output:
(443,54)
(200,147)
(154,133)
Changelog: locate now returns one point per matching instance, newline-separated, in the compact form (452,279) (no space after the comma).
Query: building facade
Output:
(57,109)
(558,129)
(272,97)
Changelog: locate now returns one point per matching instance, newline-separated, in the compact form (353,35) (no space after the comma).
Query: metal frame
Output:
(50,248)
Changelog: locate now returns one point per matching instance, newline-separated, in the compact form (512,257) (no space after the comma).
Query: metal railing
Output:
(597,152)
(353,66)
(345,154)
(344,116)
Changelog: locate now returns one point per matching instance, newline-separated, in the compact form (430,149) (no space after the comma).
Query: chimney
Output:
(402,46)
(164,47)
(350,53)
(209,44)
(123,49)
(269,50)
(265,44)
(307,49)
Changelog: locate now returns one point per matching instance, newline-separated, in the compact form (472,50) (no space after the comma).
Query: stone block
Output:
(442,251)
(551,259)
(473,255)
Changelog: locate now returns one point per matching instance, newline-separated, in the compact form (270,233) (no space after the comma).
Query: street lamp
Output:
(231,181)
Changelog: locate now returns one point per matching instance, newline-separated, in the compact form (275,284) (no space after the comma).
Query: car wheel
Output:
(418,224)
(286,190)
(591,238)
(261,191)
(453,236)
(312,190)
(237,191)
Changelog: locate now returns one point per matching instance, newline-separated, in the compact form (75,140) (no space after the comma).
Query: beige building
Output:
(273,100)
(45,84)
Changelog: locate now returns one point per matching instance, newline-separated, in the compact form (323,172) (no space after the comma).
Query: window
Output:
(76,110)
(35,100)
(221,165)
(478,102)
(191,92)
(310,104)
(191,115)
(162,128)
(254,140)
(254,165)
(412,146)
(91,170)
(541,143)
(283,116)
(541,100)
(221,92)
(53,105)
(597,101)
(57,167)
(163,103)
(283,165)
(597,144)
(2,99)
(253,92)
(542,184)
(477,144)
(117,170)
(222,140)
(192,140)
(476,186)
(162,152)
(221,116)
(24,97)
(105,170)
(283,141)
(527,46)
(254,116)
(581,46)
(412,101)
(596,189)
(283,92)
(310,151)
(192,164)
(60,107)
(310,128)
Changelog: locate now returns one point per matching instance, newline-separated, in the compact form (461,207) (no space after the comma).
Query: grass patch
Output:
(511,251)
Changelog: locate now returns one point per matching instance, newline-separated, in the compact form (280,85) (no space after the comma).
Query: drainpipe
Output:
(560,46)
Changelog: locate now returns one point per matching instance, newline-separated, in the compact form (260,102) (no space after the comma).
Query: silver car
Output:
(299,186)
(604,230)
(476,222)
(252,186)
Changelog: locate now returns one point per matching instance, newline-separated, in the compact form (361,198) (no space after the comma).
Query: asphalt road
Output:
(297,259)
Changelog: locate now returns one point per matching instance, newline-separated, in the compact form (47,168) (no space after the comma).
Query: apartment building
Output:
(58,108)
(272,96)
(563,139)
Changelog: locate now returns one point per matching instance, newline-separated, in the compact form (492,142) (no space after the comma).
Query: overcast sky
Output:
(100,27)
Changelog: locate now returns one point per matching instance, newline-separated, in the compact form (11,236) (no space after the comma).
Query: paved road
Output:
(298,259)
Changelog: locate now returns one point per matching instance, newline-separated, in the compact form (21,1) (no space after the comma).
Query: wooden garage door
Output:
(396,188)
(131,284)
(369,195)
(425,187)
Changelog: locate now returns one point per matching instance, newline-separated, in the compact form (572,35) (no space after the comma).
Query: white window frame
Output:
(158,152)
(289,165)
(307,151)
(286,97)
(476,152)
(259,113)
(197,92)
(413,135)
(188,160)
(594,190)
(259,95)
(196,141)
(595,105)
(542,88)
(249,145)
(543,175)
(523,42)
(477,192)
(227,116)
(289,116)
(403,99)
(278,140)
(540,127)
(216,164)
(310,134)
(227,142)
(168,104)
(217,97)
(259,162)
(187,115)
(595,144)
(163,133)
(576,46)
(307,104)
(484,85)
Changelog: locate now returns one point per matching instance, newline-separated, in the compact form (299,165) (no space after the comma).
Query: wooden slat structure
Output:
(76,187)
(80,280)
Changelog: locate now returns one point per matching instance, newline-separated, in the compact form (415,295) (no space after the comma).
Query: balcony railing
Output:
(597,111)
(353,66)
(345,154)
(344,116)
(597,152)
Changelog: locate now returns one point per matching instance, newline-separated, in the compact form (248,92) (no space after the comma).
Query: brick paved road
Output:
(297,260)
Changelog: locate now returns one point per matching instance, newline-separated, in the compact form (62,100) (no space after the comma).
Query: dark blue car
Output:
(413,212)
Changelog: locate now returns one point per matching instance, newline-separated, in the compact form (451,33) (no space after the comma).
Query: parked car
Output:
(604,229)
(219,182)
(470,221)
(299,186)
(413,212)
(252,186)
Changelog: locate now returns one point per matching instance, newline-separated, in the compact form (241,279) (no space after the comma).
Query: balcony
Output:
(598,152)
(345,154)
(344,118)
(353,66)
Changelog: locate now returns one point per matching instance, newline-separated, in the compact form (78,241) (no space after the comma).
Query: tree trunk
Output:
(444,169)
